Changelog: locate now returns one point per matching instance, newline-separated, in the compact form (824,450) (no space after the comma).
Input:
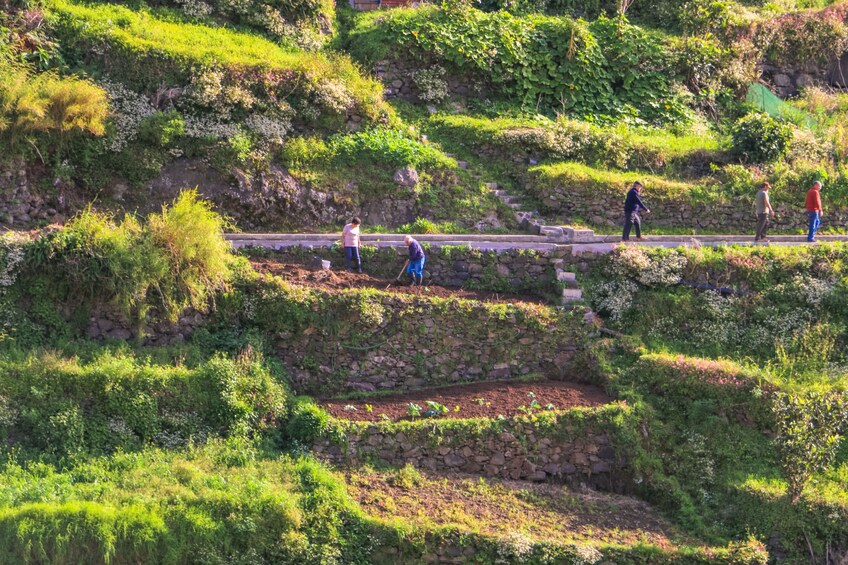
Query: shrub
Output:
(47,104)
(759,138)
(606,69)
(387,146)
(116,401)
(178,260)
(810,427)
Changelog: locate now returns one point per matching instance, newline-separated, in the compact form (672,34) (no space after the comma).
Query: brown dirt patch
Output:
(499,508)
(489,400)
(340,280)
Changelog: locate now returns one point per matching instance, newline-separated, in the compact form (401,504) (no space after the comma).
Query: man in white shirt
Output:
(351,244)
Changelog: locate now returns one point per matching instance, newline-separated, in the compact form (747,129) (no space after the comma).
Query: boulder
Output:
(406,177)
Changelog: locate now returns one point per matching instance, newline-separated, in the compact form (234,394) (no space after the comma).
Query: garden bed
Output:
(339,280)
(478,400)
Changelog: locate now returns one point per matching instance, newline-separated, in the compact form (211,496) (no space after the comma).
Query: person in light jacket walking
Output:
(352,244)
(764,208)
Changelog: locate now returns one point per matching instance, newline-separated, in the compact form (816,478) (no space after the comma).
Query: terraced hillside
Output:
(168,398)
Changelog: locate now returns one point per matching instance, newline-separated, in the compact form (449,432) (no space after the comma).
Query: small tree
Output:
(809,431)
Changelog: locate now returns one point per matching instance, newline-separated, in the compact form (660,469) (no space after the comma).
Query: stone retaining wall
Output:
(398,78)
(104,324)
(398,342)
(513,270)
(21,206)
(515,449)
(603,209)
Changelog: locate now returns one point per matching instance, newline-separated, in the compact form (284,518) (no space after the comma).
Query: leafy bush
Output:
(759,138)
(810,427)
(387,146)
(31,105)
(64,406)
(178,260)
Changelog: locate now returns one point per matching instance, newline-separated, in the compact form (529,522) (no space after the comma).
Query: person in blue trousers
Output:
(416,261)
(814,209)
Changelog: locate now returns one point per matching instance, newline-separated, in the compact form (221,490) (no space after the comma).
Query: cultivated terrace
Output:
(189,374)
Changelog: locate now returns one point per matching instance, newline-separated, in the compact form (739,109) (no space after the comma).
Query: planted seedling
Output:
(369,408)
(479,401)
(434,409)
(413,410)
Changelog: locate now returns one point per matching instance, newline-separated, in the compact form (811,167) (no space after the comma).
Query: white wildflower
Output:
(129,109)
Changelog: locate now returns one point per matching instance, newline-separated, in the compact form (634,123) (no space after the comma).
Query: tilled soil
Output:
(339,280)
(501,508)
(478,400)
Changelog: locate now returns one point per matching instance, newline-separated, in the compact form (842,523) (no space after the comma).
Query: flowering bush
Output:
(648,268)
(431,84)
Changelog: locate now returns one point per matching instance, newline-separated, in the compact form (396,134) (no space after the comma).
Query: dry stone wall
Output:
(21,206)
(399,81)
(398,342)
(512,270)
(603,209)
(515,449)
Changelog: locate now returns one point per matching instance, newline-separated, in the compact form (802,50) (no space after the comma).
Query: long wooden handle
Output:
(400,274)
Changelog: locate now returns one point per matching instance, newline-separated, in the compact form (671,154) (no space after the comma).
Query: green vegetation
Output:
(150,378)
(602,70)
(48,107)
(234,70)
(118,402)
(177,260)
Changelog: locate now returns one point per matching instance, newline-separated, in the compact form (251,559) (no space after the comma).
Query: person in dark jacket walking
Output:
(632,205)
(416,261)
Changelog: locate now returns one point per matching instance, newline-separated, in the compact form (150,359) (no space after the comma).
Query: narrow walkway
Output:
(579,241)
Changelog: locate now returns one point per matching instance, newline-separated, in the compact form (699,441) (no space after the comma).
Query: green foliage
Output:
(63,406)
(178,260)
(190,235)
(425,226)
(542,138)
(290,22)
(387,146)
(240,72)
(48,105)
(605,69)
(187,506)
(810,427)
(760,138)
(162,129)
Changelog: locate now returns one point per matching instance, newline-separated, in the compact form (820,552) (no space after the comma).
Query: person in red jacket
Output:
(814,209)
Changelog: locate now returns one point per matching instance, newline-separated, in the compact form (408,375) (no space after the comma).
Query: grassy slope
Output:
(167,50)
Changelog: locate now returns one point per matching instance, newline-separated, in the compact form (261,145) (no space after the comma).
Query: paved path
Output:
(597,244)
